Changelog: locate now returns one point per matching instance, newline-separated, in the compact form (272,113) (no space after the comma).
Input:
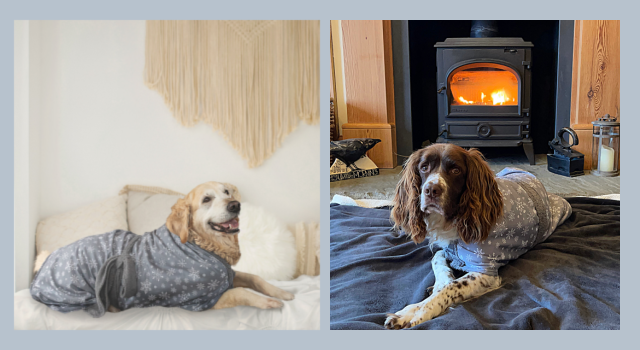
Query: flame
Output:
(468,86)
(499,97)
(465,101)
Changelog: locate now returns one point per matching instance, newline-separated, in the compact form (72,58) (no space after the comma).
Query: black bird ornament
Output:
(349,151)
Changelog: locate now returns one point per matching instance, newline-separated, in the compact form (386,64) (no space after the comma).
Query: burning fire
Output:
(465,101)
(497,98)
(493,86)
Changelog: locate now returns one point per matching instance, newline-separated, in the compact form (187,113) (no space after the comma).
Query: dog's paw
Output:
(268,303)
(284,295)
(411,315)
(394,321)
(113,309)
(279,293)
(402,319)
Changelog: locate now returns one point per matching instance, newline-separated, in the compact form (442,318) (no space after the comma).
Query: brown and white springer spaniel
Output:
(446,194)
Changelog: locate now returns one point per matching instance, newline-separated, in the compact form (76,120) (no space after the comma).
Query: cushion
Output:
(268,248)
(148,211)
(59,230)
(148,207)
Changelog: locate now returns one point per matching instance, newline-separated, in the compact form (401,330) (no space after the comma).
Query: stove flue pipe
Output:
(484,29)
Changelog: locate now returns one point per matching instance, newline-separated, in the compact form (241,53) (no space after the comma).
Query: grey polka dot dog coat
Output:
(126,270)
(530,216)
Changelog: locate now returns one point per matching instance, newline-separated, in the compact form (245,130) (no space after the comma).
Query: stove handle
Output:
(442,89)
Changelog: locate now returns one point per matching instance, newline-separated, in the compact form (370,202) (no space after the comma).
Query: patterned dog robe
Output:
(530,215)
(93,273)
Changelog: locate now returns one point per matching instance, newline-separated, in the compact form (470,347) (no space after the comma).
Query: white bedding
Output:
(301,313)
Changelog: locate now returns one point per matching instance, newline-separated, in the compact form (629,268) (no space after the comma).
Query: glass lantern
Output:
(605,151)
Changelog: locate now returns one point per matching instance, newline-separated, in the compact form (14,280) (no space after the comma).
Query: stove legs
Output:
(528,150)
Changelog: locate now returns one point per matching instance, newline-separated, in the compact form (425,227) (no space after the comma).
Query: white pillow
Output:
(268,249)
(59,230)
(148,211)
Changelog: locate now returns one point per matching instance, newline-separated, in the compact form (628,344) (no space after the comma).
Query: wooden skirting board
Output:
(384,153)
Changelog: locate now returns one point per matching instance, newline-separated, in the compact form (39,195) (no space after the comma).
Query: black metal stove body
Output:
(484,92)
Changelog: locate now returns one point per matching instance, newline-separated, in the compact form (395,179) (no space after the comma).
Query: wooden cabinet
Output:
(368,83)
(595,88)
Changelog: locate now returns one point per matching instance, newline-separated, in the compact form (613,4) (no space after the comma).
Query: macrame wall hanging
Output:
(251,80)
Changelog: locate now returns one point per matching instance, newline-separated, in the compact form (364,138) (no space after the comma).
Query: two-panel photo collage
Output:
(171,174)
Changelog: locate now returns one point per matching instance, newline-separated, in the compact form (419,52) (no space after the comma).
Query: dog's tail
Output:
(40,260)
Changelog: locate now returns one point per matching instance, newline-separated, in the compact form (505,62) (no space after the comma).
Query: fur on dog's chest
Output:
(169,273)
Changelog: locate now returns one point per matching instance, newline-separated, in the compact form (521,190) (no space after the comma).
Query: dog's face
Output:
(210,210)
(448,180)
(443,172)
(215,209)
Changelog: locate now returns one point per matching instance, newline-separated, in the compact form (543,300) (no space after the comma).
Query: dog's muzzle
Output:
(233,207)
(231,226)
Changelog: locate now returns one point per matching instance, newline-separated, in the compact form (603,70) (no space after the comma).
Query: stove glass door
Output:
(484,84)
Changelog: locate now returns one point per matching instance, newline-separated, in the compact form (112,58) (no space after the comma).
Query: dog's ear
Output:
(180,218)
(481,203)
(406,212)
(236,193)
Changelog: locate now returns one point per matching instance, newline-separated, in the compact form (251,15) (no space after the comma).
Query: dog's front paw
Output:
(279,293)
(268,303)
(394,321)
(401,319)
(284,295)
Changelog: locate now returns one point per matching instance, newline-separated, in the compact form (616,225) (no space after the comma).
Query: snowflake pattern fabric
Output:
(169,273)
(530,215)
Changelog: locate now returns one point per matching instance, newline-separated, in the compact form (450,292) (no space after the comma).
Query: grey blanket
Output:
(569,281)
(125,270)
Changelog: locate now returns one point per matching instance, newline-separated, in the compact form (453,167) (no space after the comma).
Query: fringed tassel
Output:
(251,80)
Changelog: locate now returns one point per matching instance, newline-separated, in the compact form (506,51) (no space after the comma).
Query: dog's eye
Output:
(455,171)
(226,192)
(424,168)
(206,199)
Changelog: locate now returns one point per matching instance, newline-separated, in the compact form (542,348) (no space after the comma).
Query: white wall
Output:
(26,148)
(101,128)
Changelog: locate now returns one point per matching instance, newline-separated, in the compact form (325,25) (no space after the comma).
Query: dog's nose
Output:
(233,207)
(433,190)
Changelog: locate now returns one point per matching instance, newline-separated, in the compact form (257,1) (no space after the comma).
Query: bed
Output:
(301,313)
(569,281)
(292,253)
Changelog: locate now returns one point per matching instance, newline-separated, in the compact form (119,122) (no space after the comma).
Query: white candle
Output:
(606,158)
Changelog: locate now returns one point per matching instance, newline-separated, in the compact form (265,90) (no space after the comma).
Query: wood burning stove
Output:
(484,92)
